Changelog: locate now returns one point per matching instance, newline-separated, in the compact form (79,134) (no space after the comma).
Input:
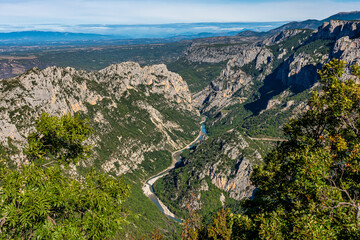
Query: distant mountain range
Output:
(314,24)
(142,33)
(41,36)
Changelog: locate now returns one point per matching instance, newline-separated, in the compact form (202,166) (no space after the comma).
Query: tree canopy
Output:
(59,139)
(42,201)
(308,187)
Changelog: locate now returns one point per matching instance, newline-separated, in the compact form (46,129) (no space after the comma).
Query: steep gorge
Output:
(262,85)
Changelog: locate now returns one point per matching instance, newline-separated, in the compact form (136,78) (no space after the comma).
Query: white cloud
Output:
(146,11)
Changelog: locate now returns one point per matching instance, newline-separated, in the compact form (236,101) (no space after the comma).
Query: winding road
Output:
(148,184)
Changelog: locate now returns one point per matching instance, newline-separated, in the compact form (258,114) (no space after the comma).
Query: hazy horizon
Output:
(77,12)
(147,30)
(161,18)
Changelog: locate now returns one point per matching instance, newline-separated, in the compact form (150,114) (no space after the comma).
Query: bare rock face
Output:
(336,29)
(283,36)
(160,81)
(233,80)
(236,180)
(236,81)
(122,102)
(301,70)
(347,49)
(212,54)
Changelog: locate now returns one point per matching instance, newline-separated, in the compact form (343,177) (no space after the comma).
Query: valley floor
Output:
(147,187)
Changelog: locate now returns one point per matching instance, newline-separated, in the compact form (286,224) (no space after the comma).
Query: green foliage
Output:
(225,226)
(128,121)
(308,186)
(222,226)
(243,227)
(145,215)
(197,75)
(251,70)
(91,59)
(59,139)
(11,84)
(192,228)
(155,161)
(290,45)
(319,46)
(7,152)
(156,235)
(267,124)
(45,203)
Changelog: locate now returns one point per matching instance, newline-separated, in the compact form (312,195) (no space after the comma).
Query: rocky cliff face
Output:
(235,180)
(233,80)
(284,35)
(212,54)
(347,49)
(250,65)
(287,59)
(336,29)
(130,108)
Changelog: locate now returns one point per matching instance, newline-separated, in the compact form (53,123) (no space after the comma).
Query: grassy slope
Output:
(197,75)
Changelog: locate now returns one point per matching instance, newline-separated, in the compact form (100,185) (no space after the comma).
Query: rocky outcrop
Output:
(213,54)
(347,49)
(159,80)
(284,35)
(300,70)
(233,179)
(234,84)
(336,29)
(127,105)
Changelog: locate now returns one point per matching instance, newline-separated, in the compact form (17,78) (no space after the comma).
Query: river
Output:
(148,186)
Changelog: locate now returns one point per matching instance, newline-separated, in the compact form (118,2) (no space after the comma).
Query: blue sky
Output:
(22,12)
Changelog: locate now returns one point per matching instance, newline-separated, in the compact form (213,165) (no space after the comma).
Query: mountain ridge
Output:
(66,90)
(314,24)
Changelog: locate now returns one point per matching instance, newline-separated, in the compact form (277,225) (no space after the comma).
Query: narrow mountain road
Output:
(148,184)
(268,139)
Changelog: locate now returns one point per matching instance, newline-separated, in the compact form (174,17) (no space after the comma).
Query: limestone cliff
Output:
(287,59)
(133,109)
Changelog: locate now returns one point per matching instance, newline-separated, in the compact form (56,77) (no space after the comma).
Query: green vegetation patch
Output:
(197,75)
